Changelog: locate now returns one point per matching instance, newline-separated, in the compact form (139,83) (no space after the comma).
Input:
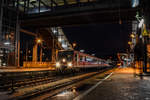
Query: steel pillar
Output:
(34,58)
(17,49)
(1,17)
(41,54)
(53,51)
(145,55)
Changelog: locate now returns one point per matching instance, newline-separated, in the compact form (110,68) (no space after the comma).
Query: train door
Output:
(76,57)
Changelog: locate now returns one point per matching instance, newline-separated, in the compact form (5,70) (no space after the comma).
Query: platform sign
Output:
(145,33)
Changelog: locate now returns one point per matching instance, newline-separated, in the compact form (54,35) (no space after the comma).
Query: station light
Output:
(82,50)
(64,45)
(59,39)
(129,42)
(7,43)
(54,31)
(74,45)
(135,3)
(4,64)
(64,60)
(39,40)
(141,23)
(69,64)
(132,36)
(57,64)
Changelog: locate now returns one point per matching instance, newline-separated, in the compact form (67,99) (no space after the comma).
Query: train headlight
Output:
(69,64)
(57,64)
(64,60)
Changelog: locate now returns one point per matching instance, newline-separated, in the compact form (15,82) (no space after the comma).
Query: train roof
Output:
(82,54)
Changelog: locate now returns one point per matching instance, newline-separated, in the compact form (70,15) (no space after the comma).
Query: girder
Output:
(78,18)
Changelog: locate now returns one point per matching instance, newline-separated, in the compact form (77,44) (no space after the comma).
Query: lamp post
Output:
(39,41)
(144,35)
(74,45)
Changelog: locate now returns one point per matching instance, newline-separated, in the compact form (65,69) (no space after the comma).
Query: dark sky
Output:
(101,39)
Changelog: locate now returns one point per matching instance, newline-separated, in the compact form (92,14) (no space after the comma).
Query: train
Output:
(75,59)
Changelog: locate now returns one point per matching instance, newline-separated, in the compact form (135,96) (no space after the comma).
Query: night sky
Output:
(103,40)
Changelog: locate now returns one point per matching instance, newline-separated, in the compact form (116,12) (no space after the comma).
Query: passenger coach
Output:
(76,59)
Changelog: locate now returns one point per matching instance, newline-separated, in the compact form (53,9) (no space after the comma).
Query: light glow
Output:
(69,64)
(65,93)
(59,39)
(57,64)
(64,60)
(129,42)
(54,31)
(64,45)
(141,23)
(39,40)
(7,43)
(132,36)
(135,3)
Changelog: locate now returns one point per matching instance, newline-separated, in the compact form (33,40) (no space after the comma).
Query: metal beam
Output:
(24,6)
(78,1)
(65,2)
(53,2)
(32,3)
(28,3)
(45,4)
(101,16)
(1,17)
(27,32)
(39,5)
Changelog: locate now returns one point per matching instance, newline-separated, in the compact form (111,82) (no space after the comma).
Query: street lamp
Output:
(141,23)
(39,40)
(74,45)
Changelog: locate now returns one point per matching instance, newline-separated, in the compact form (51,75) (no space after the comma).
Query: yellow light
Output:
(39,40)
(74,44)
(129,42)
(132,35)
(69,64)
(57,64)
(64,60)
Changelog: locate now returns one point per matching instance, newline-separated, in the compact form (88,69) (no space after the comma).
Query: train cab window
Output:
(68,55)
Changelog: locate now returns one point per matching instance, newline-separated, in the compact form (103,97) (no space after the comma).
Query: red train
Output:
(76,59)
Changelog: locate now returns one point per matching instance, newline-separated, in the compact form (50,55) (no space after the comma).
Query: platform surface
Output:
(122,85)
(16,69)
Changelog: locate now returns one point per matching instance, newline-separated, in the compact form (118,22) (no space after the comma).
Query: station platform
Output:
(22,69)
(123,84)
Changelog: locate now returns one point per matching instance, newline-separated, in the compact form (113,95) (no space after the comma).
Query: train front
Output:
(64,59)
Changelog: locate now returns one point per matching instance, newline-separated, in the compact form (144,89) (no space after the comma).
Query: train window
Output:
(80,58)
(85,58)
(68,55)
(88,59)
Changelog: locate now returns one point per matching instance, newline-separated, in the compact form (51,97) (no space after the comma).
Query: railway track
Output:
(70,80)
(13,84)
